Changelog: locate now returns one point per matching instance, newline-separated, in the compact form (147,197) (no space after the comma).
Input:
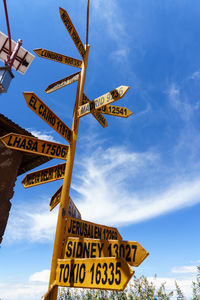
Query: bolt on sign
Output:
(72,209)
(46,114)
(58,57)
(33,145)
(96,114)
(63,82)
(105,99)
(132,252)
(97,273)
(44,176)
(85,229)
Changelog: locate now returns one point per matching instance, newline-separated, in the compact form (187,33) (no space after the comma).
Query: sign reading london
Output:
(44,176)
(46,114)
(105,99)
(72,31)
(33,145)
(58,57)
(132,252)
(97,273)
(81,228)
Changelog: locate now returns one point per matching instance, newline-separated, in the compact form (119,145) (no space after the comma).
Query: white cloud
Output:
(42,135)
(42,276)
(184,269)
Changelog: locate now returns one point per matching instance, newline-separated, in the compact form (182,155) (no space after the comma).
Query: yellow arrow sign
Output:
(132,252)
(72,209)
(105,99)
(61,83)
(72,31)
(95,273)
(33,145)
(44,176)
(58,57)
(116,111)
(81,228)
(46,114)
(98,116)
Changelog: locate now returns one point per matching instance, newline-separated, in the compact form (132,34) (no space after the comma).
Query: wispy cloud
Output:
(184,269)
(43,135)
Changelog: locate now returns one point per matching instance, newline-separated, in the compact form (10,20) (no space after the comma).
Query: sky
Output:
(140,174)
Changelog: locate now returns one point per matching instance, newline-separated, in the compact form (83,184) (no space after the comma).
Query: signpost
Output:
(85,254)
(33,145)
(58,57)
(97,273)
(132,252)
(44,176)
(46,114)
(63,82)
(72,209)
(105,99)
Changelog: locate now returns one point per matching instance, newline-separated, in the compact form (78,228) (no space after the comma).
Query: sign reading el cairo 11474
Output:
(86,254)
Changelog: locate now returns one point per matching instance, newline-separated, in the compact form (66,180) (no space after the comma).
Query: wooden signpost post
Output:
(85,254)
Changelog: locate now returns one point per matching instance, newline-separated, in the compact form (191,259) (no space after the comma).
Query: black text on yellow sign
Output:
(44,176)
(116,111)
(105,99)
(72,31)
(132,252)
(95,273)
(98,116)
(46,114)
(58,57)
(72,209)
(81,228)
(33,145)
(63,82)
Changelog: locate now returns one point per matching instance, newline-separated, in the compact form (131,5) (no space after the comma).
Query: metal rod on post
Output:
(87,30)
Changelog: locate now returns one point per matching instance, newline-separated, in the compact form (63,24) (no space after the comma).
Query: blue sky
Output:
(141,174)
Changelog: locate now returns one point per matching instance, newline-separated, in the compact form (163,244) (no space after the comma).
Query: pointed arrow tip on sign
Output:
(37,50)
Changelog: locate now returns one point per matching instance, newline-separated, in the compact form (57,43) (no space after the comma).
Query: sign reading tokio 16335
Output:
(97,273)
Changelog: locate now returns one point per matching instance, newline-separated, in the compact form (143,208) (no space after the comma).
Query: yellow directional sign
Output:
(132,252)
(44,176)
(98,116)
(72,31)
(81,228)
(46,114)
(61,83)
(70,61)
(94,273)
(105,99)
(33,145)
(72,209)
(116,111)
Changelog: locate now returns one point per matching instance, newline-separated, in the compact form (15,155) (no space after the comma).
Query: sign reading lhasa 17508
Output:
(46,114)
(44,176)
(72,209)
(95,273)
(105,99)
(62,82)
(72,31)
(33,145)
(58,57)
(132,252)
(98,116)
(116,111)
(81,228)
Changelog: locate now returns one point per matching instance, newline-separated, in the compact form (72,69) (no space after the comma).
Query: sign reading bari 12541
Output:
(97,273)
(33,145)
